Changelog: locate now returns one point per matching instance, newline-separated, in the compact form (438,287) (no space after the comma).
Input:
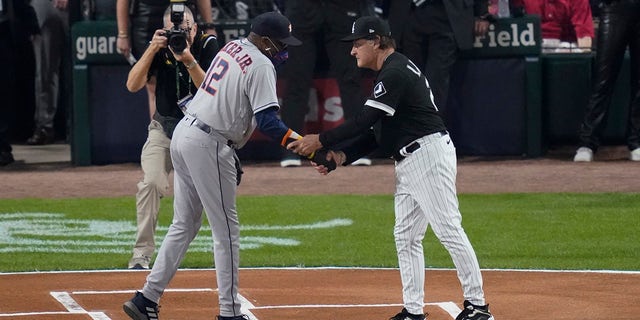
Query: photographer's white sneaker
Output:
(362,162)
(635,154)
(583,154)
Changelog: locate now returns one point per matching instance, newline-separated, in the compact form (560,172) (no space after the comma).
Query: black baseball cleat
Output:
(473,312)
(405,315)
(141,308)
(240,317)
(42,136)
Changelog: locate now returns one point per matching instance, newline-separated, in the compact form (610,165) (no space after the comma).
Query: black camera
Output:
(177,37)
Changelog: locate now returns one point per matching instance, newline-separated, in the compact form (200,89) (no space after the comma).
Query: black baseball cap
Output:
(368,26)
(275,26)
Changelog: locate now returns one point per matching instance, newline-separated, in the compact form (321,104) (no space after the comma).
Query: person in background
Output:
(178,77)
(241,9)
(567,25)
(431,33)
(137,21)
(409,129)
(48,47)
(321,22)
(619,29)
(18,25)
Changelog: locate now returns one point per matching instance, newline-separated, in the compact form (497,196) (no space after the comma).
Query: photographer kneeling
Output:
(178,56)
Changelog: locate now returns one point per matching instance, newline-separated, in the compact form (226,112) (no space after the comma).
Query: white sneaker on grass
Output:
(583,154)
(635,154)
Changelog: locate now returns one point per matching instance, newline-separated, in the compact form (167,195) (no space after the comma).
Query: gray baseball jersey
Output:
(240,82)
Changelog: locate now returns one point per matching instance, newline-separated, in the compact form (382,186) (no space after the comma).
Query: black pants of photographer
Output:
(619,28)
(7,92)
(146,18)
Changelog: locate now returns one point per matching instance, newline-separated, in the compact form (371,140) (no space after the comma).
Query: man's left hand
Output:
(185,55)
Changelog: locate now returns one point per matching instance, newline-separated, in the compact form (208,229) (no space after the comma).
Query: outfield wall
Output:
(505,98)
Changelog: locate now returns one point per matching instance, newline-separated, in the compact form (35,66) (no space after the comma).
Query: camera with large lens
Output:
(177,37)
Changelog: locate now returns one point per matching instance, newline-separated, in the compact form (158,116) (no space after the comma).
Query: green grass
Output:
(524,231)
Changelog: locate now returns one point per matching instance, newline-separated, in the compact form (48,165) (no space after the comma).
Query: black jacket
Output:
(460,15)
(171,87)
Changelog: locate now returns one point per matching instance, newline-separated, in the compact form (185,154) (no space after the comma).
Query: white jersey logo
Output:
(379,90)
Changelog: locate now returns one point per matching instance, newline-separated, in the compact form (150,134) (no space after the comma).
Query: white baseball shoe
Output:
(362,162)
(285,163)
(583,154)
(635,154)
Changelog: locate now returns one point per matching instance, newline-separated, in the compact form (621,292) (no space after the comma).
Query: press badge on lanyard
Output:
(184,103)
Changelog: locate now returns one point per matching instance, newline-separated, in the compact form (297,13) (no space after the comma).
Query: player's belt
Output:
(413,146)
(203,126)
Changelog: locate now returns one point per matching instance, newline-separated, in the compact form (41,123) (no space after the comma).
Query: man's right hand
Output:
(123,44)
(305,146)
(481,27)
(159,39)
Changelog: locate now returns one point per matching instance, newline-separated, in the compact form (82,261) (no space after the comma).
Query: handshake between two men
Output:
(324,160)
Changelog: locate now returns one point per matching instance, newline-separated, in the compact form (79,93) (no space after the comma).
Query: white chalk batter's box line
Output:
(322,268)
(73,307)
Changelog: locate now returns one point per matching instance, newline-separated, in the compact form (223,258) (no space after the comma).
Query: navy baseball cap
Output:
(368,26)
(275,26)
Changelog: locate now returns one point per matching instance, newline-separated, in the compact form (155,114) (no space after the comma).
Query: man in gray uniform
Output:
(238,93)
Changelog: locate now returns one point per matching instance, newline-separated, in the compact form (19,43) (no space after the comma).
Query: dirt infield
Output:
(321,294)
(331,293)
(612,172)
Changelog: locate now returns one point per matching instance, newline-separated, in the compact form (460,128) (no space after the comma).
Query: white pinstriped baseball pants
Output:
(426,195)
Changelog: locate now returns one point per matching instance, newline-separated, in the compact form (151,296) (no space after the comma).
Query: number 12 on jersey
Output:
(218,69)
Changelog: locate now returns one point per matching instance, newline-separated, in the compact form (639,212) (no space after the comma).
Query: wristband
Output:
(192,64)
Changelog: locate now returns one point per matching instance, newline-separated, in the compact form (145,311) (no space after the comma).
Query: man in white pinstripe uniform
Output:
(407,127)
(238,93)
